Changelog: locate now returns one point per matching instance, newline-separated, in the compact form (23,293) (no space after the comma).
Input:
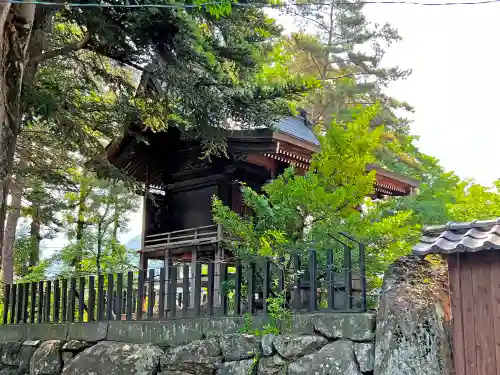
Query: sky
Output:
(452,53)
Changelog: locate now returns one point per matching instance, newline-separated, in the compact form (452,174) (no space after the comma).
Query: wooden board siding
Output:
(475,289)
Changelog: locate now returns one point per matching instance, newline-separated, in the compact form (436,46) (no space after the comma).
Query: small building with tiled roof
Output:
(178,213)
(460,238)
(472,251)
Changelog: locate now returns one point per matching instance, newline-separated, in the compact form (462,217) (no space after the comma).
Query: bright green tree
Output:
(197,66)
(92,227)
(296,212)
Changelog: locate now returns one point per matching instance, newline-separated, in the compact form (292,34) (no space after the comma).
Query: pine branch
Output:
(73,47)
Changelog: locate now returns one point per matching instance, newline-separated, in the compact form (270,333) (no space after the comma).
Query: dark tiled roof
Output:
(460,237)
(295,126)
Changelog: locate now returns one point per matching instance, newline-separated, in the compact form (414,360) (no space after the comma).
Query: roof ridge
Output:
(453,225)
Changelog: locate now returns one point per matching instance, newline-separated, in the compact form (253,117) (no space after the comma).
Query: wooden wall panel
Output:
(475,296)
(236,198)
(468,315)
(495,302)
(483,313)
(456,311)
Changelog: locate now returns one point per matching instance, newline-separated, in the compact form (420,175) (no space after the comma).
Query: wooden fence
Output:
(189,290)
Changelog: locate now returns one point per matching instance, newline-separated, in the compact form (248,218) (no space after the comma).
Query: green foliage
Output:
(475,202)
(293,208)
(205,63)
(24,247)
(92,228)
(279,318)
(296,210)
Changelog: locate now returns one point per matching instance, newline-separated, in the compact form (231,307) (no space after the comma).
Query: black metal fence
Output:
(331,280)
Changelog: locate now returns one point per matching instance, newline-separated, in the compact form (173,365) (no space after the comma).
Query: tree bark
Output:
(10,231)
(80,226)
(15,27)
(99,248)
(35,235)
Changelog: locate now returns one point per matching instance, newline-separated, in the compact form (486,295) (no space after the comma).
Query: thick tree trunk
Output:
(35,235)
(116,224)
(15,28)
(10,231)
(80,226)
(99,248)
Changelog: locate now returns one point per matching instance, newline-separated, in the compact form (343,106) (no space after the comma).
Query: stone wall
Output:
(321,344)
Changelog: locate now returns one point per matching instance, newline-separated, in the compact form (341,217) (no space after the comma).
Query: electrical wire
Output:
(240,5)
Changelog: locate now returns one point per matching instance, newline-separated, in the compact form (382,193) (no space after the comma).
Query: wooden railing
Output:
(186,237)
(221,289)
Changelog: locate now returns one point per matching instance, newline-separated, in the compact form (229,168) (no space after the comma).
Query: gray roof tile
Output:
(295,126)
(460,237)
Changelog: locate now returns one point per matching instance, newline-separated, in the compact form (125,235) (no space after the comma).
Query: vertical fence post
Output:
(211,287)
(100,297)
(281,277)
(91,312)
(57,302)
(330,279)
(362,275)
(348,277)
(237,288)
(33,302)
(172,292)
(20,290)
(140,294)
(297,295)
(151,293)
(48,295)
(119,296)
(72,300)
(197,288)
(313,267)
(185,289)
(251,286)
(40,301)
(130,292)
(13,294)
(161,297)
(109,302)
(124,301)
(6,300)
(26,302)
(64,303)
(266,282)
(223,291)
(81,299)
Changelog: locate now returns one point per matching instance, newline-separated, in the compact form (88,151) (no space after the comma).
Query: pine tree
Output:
(344,51)
(203,67)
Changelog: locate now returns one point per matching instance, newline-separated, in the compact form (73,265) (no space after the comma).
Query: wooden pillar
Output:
(167,262)
(143,260)
(143,255)
(217,269)
(194,260)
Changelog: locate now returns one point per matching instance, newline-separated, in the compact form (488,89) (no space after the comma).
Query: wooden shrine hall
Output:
(178,225)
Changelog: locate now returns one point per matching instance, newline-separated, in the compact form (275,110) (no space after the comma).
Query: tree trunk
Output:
(99,248)
(116,224)
(35,235)
(10,231)
(15,27)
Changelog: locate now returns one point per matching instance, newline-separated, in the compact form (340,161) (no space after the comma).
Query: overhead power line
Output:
(240,5)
